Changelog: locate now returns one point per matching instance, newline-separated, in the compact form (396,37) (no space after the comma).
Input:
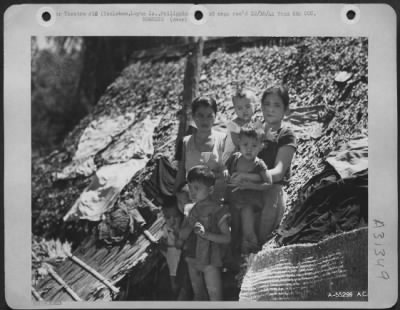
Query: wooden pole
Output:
(60,281)
(149,236)
(150,203)
(93,272)
(190,84)
(36,294)
(89,269)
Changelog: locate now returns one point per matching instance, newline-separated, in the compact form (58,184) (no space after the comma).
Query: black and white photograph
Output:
(200,156)
(144,149)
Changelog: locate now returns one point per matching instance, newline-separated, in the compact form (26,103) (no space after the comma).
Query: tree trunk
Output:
(190,85)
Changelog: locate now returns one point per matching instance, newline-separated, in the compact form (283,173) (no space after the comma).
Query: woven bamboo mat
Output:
(310,271)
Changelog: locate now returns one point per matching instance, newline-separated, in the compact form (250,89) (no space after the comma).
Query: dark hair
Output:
(251,132)
(172,211)
(279,90)
(246,93)
(204,102)
(201,174)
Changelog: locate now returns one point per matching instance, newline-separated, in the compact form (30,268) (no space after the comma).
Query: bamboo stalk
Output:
(191,80)
(149,236)
(150,203)
(36,294)
(60,281)
(93,272)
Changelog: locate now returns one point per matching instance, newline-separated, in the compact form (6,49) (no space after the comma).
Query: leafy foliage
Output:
(56,107)
(308,67)
(70,74)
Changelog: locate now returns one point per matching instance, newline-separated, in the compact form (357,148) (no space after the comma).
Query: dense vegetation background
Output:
(80,82)
(68,76)
(151,84)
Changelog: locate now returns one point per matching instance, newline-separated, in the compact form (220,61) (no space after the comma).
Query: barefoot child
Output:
(243,168)
(203,232)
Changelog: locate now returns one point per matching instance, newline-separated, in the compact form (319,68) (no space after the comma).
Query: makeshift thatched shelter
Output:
(78,182)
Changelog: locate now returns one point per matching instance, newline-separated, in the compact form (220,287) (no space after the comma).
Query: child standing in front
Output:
(203,232)
(244,102)
(243,169)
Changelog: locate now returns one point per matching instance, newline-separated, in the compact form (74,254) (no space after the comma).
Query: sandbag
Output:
(310,271)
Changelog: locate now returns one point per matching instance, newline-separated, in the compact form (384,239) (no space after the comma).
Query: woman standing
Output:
(205,147)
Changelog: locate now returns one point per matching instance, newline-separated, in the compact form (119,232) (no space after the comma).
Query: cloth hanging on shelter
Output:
(161,183)
(334,200)
(81,166)
(336,207)
(95,138)
(135,142)
(327,176)
(352,157)
(103,191)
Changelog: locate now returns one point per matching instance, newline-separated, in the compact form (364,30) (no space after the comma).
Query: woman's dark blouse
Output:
(284,136)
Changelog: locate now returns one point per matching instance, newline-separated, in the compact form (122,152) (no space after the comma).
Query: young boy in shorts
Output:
(203,232)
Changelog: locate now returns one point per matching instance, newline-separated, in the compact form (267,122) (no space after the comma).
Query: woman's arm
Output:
(262,176)
(246,176)
(256,181)
(251,185)
(266,176)
(283,160)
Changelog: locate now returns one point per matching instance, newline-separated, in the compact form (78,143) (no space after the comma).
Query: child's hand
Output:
(199,229)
